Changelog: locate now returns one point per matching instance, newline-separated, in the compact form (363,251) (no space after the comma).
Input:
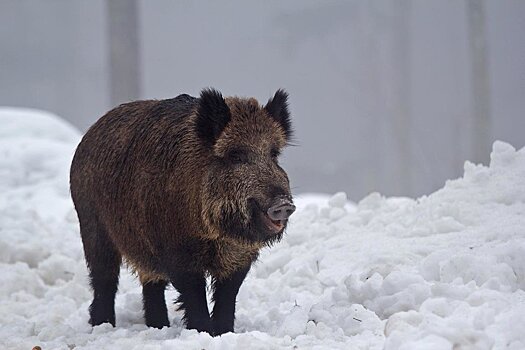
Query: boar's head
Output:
(245,193)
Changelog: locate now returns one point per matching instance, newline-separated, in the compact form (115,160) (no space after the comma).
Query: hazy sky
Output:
(381,92)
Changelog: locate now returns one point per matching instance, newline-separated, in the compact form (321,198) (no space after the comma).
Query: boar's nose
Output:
(281,209)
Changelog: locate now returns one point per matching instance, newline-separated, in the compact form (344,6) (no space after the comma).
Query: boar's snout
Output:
(281,209)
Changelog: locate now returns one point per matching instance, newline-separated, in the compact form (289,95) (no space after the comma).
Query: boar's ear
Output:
(212,116)
(277,108)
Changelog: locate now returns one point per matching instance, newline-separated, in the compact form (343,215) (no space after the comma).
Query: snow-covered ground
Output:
(445,271)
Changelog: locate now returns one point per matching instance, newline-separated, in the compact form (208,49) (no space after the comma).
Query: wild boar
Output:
(181,189)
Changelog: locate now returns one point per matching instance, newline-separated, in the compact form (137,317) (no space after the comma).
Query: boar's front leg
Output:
(155,311)
(192,289)
(225,294)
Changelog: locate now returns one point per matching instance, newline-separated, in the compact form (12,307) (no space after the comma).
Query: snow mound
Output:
(35,124)
(440,272)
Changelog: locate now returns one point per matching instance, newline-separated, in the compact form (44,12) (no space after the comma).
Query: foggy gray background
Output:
(388,96)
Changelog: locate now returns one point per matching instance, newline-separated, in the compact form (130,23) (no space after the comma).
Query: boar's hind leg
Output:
(192,289)
(155,311)
(225,293)
(103,261)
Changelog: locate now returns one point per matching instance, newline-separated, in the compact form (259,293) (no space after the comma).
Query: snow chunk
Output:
(338,200)
(502,154)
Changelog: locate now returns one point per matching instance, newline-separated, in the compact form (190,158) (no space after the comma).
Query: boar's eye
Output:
(274,153)
(238,156)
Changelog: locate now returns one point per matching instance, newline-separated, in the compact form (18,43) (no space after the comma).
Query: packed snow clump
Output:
(445,271)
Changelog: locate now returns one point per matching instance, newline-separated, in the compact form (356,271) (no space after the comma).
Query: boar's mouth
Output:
(275,226)
(260,227)
(266,224)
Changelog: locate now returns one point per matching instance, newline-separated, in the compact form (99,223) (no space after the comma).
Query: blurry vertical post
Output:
(480,121)
(401,91)
(124,63)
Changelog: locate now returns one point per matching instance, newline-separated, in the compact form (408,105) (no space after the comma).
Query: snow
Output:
(445,271)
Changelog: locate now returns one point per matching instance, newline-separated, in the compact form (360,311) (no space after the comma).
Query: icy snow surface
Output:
(440,272)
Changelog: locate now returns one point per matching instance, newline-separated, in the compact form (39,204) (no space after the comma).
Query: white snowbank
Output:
(440,272)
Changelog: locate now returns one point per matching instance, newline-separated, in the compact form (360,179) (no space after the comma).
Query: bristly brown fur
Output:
(175,187)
